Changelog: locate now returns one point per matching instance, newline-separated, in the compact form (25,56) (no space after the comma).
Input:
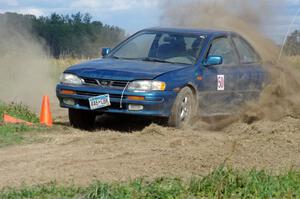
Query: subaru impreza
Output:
(168,73)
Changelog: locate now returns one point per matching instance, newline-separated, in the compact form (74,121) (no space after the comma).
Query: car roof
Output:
(189,31)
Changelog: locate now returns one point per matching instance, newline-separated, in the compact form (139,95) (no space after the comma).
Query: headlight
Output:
(66,78)
(146,85)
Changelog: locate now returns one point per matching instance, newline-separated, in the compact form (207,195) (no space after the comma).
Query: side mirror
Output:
(213,60)
(105,51)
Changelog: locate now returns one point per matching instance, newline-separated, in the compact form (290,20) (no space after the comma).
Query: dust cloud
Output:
(281,97)
(25,69)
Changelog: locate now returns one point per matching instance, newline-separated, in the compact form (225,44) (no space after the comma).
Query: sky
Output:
(133,15)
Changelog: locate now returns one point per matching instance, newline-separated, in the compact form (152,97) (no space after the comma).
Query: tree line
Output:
(292,45)
(75,35)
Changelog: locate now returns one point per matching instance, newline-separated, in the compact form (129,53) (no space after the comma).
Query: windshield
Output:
(161,47)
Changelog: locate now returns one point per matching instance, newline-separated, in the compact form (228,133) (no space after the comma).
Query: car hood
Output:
(122,69)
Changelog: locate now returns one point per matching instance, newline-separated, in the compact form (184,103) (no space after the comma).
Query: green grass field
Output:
(16,133)
(222,183)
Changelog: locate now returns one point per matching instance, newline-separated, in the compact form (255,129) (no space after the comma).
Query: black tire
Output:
(81,119)
(184,109)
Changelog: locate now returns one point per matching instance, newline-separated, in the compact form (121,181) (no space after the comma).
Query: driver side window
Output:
(138,47)
(223,47)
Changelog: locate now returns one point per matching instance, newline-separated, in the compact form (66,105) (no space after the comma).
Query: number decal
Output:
(221,83)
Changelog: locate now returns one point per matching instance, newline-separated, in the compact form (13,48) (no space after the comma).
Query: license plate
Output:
(99,102)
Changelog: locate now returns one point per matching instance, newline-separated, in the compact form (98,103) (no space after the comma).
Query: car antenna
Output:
(287,34)
(281,77)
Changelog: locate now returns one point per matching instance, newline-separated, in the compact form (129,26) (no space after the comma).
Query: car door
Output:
(218,93)
(252,76)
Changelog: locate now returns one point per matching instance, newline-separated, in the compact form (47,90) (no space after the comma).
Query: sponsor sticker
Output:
(221,83)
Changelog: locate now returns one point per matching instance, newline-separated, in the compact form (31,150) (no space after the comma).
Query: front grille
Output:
(118,96)
(90,81)
(105,83)
(121,84)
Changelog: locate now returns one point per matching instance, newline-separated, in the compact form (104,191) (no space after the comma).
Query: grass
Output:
(222,183)
(295,60)
(19,111)
(63,63)
(14,133)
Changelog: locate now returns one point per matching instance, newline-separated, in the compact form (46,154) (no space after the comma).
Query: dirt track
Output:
(72,156)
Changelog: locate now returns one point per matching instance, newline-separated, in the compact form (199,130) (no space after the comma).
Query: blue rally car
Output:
(170,73)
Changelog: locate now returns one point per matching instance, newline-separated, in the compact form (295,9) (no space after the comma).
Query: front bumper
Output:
(156,103)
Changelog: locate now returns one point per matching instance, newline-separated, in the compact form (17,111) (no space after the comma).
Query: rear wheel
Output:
(82,119)
(183,109)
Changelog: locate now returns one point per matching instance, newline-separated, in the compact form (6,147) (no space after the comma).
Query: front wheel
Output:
(183,109)
(82,119)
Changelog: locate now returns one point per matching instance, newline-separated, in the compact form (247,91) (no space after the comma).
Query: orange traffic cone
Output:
(46,116)
(12,120)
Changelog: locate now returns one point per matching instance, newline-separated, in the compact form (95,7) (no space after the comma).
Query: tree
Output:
(292,46)
(75,35)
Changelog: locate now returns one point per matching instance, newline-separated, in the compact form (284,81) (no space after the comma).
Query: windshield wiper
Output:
(126,58)
(115,57)
(152,59)
(149,59)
